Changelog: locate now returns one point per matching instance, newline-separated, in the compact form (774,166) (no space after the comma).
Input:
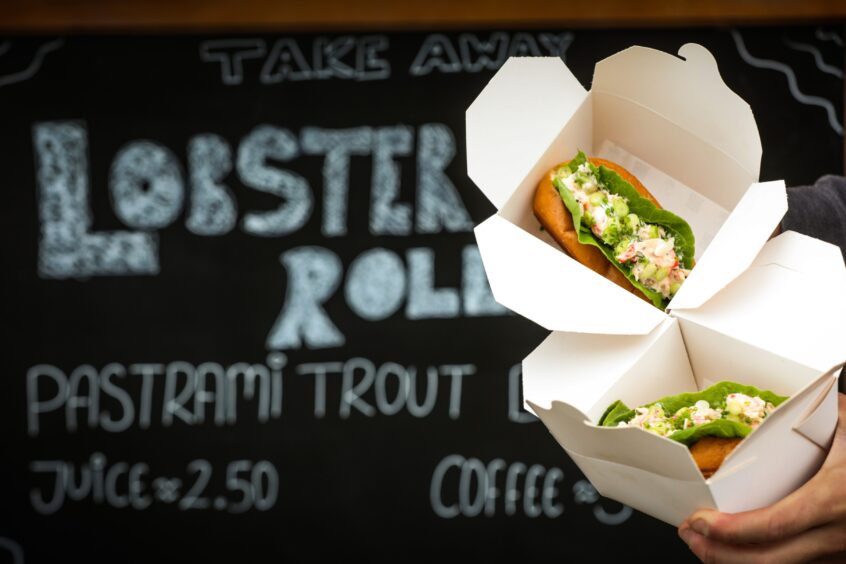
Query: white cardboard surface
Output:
(673,195)
(736,244)
(819,423)
(511,254)
(577,133)
(532,99)
(703,134)
(587,378)
(792,300)
(642,490)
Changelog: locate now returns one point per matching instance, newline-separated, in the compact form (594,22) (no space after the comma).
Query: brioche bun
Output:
(709,453)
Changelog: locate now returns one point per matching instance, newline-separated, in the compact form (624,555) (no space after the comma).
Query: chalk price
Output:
(246,485)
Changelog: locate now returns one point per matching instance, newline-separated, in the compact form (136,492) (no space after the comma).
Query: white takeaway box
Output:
(768,313)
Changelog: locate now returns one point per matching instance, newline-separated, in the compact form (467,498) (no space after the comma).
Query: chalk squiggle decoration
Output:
(823,35)
(791,81)
(34,66)
(818,59)
(13,548)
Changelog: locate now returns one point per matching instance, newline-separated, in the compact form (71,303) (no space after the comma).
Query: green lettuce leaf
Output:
(650,213)
(715,396)
(719,428)
(639,205)
(616,412)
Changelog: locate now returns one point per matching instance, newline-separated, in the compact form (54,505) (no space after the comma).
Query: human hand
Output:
(808,524)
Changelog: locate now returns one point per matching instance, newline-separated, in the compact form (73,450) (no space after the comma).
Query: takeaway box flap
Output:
(515,119)
(802,253)
(525,275)
(658,496)
(806,405)
(708,136)
(566,367)
(818,424)
(568,386)
(736,244)
(790,300)
(626,447)
(737,485)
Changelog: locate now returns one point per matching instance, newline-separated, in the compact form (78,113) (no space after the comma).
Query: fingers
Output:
(820,500)
(805,525)
(814,543)
(815,503)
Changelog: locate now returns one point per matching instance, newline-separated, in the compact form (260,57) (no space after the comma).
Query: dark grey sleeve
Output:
(819,210)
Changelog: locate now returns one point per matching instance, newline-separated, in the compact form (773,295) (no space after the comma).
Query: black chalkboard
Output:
(244,314)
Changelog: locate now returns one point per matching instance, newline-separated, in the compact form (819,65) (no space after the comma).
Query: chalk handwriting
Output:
(346,57)
(314,274)
(124,485)
(68,248)
(147,190)
(364,387)
(584,493)
(473,53)
(231,54)
(426,301)
(377,284)
(337,146)
(476,297)
(146,185)
(388,216)
(468,487)
(516,413)
(362,58)
(267,141)
(439,205)
(213,209)
(117,397)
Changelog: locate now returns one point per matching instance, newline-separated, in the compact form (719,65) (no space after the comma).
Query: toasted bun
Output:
(709,453)
(557,221)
